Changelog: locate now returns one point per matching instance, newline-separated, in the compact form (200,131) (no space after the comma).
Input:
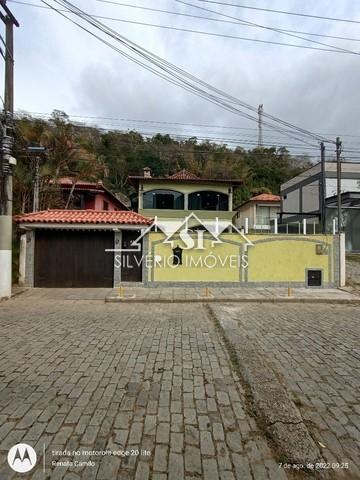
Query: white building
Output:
(313,195)
(259,210)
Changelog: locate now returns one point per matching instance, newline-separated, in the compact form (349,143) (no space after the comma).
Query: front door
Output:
(131,265)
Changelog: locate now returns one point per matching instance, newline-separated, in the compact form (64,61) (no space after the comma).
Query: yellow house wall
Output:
(194,272)
(186,189)
(287,260)
(272,258)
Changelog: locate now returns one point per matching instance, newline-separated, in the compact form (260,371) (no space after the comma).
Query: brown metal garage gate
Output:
(66,258)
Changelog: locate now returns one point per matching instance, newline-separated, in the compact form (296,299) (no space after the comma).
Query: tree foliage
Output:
(89,153)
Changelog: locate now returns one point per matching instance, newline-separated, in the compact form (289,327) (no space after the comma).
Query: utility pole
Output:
(323,188)
(7,161)
(260,130)
(338,175)
(36,186)
(36,150)
(341,254)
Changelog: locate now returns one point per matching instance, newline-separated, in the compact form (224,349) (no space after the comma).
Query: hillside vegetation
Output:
(90,153)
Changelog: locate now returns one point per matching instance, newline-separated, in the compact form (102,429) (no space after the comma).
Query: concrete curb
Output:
(269,399)
(317,300)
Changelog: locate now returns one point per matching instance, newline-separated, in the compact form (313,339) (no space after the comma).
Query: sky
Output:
(59,66)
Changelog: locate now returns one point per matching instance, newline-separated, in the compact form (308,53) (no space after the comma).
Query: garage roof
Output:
(84,216)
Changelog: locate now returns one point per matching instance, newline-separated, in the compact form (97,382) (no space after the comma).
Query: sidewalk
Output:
(223,294)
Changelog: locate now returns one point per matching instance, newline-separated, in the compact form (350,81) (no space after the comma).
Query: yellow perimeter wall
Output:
(271,259)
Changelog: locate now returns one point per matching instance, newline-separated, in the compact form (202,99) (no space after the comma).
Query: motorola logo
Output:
(22,458)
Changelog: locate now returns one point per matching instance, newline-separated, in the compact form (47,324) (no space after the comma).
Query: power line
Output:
(162,122)
(176,137)
(169,12)
(267,27)
(177,75)
(198,137)
(334,49)
(283,12)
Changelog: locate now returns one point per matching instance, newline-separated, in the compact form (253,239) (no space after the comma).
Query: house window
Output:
(78,201)
(208,200)
(105,205)
(264,214)
(163,199)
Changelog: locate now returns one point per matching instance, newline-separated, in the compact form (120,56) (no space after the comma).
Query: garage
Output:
(73,259)
(76,248)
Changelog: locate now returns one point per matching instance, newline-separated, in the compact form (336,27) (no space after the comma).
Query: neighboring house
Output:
(180,194)
(313,195)
(85,195)
(259,210)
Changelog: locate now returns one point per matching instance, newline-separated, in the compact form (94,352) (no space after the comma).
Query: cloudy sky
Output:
(59,66)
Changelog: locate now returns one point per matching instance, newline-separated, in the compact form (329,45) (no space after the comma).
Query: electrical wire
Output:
(333,49)
(224,141)
(269,145)
(242,22)
(283,12)
(169,12)
(162,122)
(177,72)
(271,141)
(6,48)
(223,35)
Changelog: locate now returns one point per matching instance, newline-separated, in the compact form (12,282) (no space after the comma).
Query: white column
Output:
(5,255)
(304,226)
(22,260)
(140,206)
(246,225)
(117,258)
(186,201)
(230,199)
(276,226)
(342,260)
(334,226)
(5,277)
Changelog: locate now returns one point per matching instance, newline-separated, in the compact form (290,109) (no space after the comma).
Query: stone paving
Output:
(353,271)
(316,352)
(225,294)
(200,294)
(154,379)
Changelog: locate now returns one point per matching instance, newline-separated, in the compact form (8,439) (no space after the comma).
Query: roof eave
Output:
(81,226)
(136,180)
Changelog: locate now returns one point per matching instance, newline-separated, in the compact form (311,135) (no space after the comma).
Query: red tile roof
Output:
(68,182)
(262,198)
(84,216)
(184,175)
(265,197)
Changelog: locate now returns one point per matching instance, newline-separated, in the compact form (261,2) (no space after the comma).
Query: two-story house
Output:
(182,193)
(84,195)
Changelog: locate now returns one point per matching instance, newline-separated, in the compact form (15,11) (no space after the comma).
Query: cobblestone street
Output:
(316,351)
(78,374)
